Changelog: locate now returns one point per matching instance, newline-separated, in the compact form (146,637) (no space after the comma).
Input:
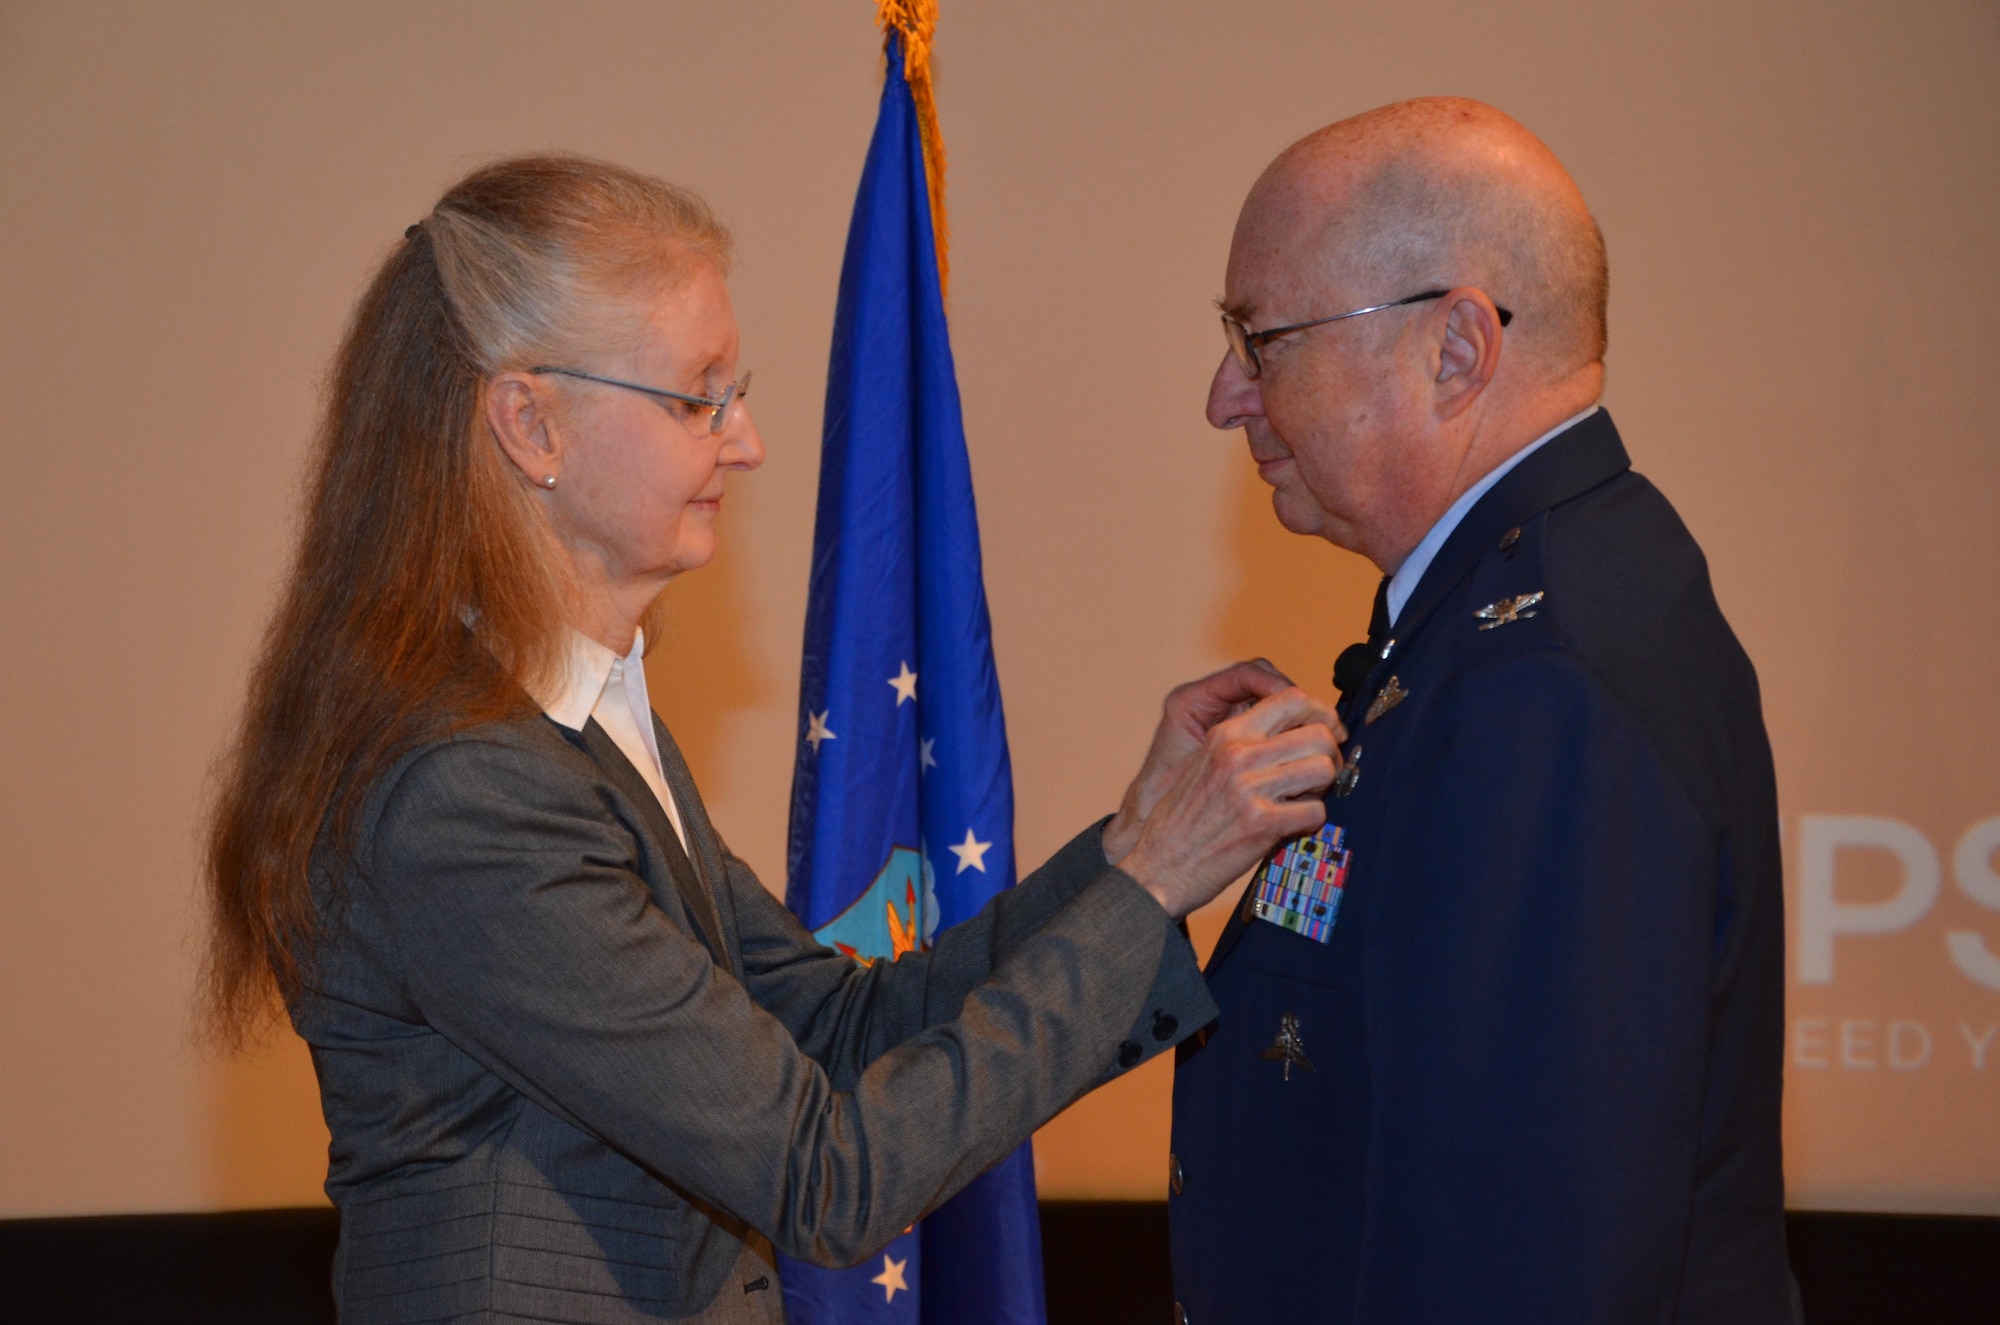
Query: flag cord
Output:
(916,21)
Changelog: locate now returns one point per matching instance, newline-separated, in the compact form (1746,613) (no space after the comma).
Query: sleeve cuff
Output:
(1176,1006)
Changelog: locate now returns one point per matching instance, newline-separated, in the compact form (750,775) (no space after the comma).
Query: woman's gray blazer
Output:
(572,1075)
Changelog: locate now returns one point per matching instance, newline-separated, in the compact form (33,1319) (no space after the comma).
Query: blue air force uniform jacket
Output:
(1534,1072)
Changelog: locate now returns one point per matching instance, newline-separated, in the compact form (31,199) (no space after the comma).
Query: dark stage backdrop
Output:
(1105,1261)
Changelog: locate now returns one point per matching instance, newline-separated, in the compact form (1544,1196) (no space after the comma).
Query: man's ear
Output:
(1469,353)
(521,417)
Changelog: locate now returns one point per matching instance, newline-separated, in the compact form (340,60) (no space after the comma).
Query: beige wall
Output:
(1799,202)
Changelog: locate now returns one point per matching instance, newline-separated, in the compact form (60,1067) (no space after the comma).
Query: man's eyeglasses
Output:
(1243,342)
(718,407)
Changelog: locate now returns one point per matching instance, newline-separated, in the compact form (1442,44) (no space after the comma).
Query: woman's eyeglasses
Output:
(718,406)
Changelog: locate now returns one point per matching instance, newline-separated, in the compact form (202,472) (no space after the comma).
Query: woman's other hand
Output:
(1240,774)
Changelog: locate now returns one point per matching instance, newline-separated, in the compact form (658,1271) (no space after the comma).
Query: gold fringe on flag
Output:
(916,22)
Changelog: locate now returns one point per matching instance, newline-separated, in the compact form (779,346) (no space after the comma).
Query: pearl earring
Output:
(548,480)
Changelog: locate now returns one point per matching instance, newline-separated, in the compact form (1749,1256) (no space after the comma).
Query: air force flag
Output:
(902,798)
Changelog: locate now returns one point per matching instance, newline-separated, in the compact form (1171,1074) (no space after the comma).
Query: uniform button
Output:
(1508,539)
(1180,1314)
(1175,1179)
(1164,1026)
(1129,1053)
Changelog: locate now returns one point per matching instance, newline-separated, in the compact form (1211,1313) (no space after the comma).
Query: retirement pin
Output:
(1302,883)
(1349,776)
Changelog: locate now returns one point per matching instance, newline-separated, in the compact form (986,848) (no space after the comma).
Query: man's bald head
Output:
(1367,431)
(1443,192)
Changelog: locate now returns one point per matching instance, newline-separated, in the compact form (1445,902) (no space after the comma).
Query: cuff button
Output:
(1129,1053)
(1164,1025)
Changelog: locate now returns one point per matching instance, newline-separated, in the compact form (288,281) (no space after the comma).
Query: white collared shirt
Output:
(1404,582)
(602,685)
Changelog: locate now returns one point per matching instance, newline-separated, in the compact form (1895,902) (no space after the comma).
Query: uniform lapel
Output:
(687,881)
(1232,929)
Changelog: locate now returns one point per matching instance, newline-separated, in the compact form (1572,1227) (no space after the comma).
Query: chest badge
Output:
(1494,615)
(1288,1048)
(1387,698)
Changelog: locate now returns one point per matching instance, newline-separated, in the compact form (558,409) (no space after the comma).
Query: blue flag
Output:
(902,798)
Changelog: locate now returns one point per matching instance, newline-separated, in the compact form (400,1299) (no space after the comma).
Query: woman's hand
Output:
(1253,778)
(1189,713)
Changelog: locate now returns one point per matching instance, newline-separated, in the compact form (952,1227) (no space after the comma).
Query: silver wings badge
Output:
(1495,615)
(1392,694)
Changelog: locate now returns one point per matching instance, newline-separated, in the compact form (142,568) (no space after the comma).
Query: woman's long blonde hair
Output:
(415,525)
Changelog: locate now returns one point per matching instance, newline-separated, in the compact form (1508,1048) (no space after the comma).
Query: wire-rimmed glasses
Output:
(1243,342)
(718,406)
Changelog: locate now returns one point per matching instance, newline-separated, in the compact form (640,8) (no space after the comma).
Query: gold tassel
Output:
(916,22)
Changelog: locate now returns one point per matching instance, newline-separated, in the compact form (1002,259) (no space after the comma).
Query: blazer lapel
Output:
(700,904)
(706,844)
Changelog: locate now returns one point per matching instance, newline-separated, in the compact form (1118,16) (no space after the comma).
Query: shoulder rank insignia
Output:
(1288,1048)
(1495,615)
(1387,698)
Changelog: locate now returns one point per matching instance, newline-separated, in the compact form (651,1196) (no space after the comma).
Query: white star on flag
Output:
(891,1278)
(925,757)
(816,730)
(905,682)
(971,853)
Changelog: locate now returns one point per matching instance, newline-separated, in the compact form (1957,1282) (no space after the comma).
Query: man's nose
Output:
(1233,398)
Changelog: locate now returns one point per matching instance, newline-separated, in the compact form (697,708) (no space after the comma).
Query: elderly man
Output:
(1502,1043)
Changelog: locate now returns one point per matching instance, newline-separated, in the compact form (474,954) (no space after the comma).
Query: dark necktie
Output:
(1351,669)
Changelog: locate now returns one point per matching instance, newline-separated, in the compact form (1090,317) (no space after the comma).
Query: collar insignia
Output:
(1390,695)
(1495,615)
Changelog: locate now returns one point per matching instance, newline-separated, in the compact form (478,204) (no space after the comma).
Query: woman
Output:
(576,1062)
